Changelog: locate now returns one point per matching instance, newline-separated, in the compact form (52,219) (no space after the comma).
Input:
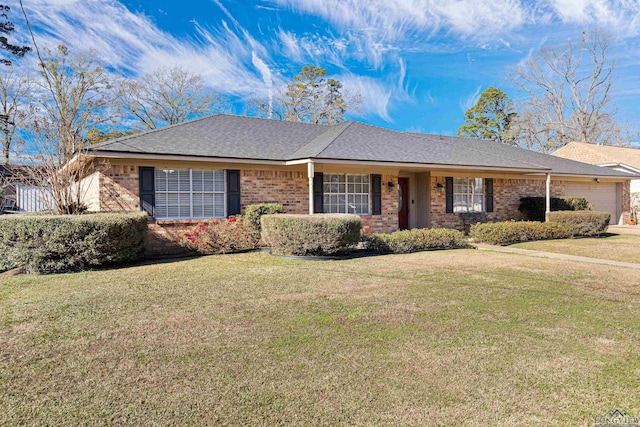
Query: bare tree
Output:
(16,93)
(311,98)
(167,96)
(75,97)
(64,182)
(568,96)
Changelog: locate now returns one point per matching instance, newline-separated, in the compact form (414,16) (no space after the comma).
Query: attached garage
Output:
(605,196)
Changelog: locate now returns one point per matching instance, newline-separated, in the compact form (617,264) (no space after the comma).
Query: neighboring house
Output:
(19,193)
(215,166)
(617,158)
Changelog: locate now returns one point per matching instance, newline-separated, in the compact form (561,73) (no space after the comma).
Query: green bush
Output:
(253,213)
(534,208)
(423,239)
(221,236)
(582,223)
(58,243)
(322,234)
(509,232)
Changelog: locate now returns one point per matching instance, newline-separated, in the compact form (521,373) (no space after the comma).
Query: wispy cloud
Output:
(313,47)
(377,27)
(133,44)
(616,15)
(470,100)
(376,94)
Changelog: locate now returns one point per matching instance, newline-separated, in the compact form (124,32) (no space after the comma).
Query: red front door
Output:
(403,203)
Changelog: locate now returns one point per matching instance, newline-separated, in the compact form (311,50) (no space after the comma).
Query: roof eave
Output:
(180,157)
(621,165)
(421,165)
(291,162)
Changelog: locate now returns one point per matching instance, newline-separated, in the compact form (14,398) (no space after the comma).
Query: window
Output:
(188,193)
(468,195)
(346,194)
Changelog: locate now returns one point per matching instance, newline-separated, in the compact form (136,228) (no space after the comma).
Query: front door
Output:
(403,203)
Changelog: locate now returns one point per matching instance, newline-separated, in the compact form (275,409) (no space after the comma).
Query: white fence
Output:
(32,199)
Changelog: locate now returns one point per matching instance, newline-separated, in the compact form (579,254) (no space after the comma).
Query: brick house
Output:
(216,166)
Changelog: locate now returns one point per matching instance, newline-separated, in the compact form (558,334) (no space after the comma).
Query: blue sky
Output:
(419,64)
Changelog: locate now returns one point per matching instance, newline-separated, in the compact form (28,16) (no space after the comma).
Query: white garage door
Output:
(602,195)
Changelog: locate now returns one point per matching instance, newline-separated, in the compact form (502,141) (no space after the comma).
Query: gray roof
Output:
(248,138)
(221,136)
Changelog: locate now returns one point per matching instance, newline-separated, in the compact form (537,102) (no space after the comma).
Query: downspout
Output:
(310,174)
(548,198)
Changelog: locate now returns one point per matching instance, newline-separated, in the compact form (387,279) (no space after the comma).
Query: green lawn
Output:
(617,247)
(437,338)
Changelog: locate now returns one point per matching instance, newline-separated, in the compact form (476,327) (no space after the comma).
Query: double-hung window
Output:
(468,195)
(189,193)
(346,193)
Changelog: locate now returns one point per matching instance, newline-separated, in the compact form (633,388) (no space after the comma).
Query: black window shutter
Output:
(233,192)
(488,186)
(376,194)
(146,178)
(449,193)
(318,193)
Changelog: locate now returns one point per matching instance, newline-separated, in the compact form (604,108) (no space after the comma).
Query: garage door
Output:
(602,195)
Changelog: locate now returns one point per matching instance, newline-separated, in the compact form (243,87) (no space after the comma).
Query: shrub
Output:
(509,232)
(582,223)
(407,241)
(253,213)
(534,208)
(322,234)
(221,236)
(58,243)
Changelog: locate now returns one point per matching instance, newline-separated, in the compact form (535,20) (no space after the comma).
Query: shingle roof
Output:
(248,138)
(557,165)
(221,136)
(600,154)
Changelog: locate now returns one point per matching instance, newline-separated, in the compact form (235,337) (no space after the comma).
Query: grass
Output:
(436,338)
(617,247)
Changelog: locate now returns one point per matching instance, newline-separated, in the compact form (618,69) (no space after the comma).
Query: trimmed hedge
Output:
(59,243)
(253,213)
(533,208)
(320,234)
(510,232)
(423,239)
(582,223)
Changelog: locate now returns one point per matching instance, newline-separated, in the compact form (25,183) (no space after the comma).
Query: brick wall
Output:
(388,221)
(291,189)
(119,189)
(506,196)
(626,201)
(164,236)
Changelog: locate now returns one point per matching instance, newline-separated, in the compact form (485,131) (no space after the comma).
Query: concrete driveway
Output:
(624,229)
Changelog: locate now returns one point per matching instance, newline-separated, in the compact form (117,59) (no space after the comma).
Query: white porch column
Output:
(548,198)
(310,174)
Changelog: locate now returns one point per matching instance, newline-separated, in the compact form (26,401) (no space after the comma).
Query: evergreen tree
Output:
(490,117)
(7,27)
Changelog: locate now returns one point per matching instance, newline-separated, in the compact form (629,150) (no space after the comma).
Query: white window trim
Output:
(470,194)
(224,193)
(346,193)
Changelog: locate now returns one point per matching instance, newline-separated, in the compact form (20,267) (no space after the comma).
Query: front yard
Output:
(436,338)
(617,247)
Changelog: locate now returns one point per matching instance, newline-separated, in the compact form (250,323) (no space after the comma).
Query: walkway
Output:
(624,229)
(540,254)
